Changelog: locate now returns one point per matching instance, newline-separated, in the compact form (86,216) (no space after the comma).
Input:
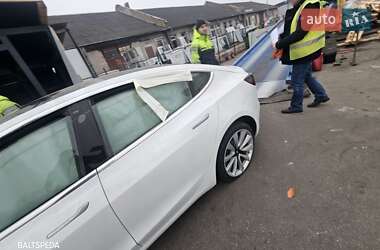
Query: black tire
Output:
(221,172)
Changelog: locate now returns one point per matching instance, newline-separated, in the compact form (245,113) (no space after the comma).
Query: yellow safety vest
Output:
(5,104)
(201,44)
(311,43)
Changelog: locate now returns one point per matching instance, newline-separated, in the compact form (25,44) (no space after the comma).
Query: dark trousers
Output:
(301,74)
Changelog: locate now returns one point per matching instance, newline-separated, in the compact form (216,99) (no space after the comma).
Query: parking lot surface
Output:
(331,155)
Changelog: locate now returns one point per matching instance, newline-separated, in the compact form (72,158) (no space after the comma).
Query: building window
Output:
(216,30)
(160,42)
(111,53)
(130,54)
(186,37)
(173,41)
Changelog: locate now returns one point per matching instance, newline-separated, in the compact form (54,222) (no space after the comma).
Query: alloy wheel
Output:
(238,153)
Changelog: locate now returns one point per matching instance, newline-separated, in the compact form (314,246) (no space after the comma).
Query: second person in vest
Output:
(7,106)
(300,48)
(202,48)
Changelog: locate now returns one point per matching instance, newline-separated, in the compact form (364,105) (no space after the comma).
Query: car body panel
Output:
(236,99)
(141,191)
(169,174)
(97,219)
(163,168)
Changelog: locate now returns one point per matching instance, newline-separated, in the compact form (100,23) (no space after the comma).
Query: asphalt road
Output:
(331,155)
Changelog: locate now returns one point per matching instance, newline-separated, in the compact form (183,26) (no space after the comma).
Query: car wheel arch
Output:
(244,118)
(247,119)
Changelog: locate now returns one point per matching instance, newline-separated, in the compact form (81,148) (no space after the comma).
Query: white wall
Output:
(78,64)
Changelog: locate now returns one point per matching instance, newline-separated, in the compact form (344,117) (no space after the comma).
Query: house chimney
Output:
(126,5)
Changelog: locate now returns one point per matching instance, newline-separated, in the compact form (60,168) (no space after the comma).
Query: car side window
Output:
(173,96)
(35,167)
(200,80)
(123,117)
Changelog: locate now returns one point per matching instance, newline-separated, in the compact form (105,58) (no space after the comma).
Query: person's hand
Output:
(277,53)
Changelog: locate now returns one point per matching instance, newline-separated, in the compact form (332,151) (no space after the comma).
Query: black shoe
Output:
(290,111)
(317,102)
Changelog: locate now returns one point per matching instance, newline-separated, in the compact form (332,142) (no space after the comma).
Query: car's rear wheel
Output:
(235,152)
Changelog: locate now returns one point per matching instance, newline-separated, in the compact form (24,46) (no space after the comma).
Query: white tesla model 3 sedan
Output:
(112,164)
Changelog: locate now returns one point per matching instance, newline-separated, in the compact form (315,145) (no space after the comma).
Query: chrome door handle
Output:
(78,213)
(201,121)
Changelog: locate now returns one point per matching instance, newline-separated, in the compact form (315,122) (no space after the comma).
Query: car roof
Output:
(60,99)
(73,88)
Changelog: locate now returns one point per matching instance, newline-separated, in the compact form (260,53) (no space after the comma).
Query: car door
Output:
(50,199)
(159,167)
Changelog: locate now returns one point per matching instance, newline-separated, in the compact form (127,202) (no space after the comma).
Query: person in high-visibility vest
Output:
(300,47)
(202,48)
(7,106)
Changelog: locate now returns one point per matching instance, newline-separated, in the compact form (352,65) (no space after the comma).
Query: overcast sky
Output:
(60,7)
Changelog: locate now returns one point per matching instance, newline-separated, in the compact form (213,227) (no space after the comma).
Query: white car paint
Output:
(136,195)
(82,233)
(171,172)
